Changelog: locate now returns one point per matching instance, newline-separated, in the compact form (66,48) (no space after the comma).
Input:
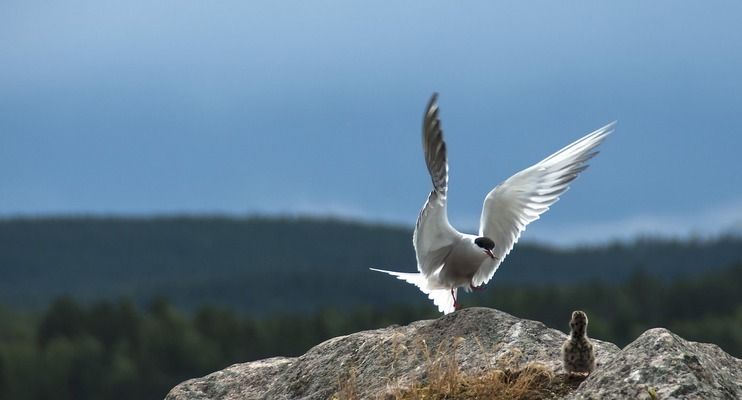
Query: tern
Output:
(448,259)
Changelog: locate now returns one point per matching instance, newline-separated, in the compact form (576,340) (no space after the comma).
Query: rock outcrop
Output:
(384,363)
(662,365)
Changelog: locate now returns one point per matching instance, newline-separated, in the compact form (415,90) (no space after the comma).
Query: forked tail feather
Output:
(442,298)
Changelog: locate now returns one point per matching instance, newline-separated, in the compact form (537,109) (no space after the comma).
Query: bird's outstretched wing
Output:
(523,197)
(434,235)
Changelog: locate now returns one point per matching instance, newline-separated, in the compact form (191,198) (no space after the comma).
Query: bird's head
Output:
(578,322)
(487,245)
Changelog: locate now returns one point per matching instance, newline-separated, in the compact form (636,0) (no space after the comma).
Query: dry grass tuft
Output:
(509,378)
(446,381)
(347,386)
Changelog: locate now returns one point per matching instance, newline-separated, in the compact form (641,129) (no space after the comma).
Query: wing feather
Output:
(523,197)
(434,235)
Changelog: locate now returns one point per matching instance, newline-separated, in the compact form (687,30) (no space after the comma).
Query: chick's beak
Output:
(489,253)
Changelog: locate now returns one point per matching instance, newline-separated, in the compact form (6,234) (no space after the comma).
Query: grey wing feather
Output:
(523,197)
(433,233)
(434,147)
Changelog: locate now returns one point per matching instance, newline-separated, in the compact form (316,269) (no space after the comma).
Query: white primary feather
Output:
(523,197)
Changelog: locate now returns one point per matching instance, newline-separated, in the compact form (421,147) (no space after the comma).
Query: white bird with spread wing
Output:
(448,259)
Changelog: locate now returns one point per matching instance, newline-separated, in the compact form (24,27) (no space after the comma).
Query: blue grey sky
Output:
(297,107)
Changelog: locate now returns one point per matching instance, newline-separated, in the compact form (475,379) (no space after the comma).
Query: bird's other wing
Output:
(523,197)
(434,235)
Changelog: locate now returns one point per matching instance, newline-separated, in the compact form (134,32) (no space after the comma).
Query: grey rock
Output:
(382,359)
(378,361)
(239,381)
(665,365)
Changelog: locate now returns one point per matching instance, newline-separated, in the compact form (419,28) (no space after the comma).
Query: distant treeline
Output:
(263,265)
(115,350)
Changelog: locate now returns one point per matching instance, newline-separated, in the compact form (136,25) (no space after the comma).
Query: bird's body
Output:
(462,263)
(448,259)
(578,355)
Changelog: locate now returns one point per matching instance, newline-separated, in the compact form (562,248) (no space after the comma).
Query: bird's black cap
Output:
(485,243)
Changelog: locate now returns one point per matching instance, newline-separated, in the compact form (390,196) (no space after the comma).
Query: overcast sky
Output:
(239,107)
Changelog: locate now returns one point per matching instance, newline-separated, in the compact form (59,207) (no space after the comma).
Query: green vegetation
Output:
(260,265)
(280,286)
(114,350)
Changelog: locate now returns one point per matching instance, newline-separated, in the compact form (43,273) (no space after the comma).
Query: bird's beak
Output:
(489,253)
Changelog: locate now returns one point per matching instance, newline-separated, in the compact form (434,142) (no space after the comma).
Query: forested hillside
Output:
(149,302)
(261,264)
(114,350)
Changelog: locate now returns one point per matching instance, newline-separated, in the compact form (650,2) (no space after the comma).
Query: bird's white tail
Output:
(441,297)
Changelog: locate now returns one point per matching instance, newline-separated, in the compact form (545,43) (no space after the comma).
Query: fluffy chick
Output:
(578,355)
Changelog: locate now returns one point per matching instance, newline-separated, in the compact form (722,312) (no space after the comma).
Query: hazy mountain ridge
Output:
(283,263)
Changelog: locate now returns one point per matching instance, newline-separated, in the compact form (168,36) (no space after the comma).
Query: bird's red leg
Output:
(456,304)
